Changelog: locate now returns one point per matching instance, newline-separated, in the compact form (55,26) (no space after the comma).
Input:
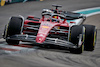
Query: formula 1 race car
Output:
(52,28)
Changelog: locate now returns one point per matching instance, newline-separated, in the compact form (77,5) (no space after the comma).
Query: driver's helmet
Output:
(47,11)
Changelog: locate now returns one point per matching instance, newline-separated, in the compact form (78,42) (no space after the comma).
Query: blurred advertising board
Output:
(3,2)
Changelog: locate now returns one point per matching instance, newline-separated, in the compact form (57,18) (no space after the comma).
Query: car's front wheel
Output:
(12,28)
(77,38)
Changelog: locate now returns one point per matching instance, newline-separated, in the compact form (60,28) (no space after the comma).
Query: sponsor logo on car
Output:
(45,27)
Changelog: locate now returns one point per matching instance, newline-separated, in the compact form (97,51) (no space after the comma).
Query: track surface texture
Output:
(44,57)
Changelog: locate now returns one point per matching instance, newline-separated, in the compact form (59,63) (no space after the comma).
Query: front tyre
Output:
(12,28)
(77,38)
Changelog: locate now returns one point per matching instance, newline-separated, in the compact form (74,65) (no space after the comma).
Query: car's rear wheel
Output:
(12,28)
(90,38)
(77,38)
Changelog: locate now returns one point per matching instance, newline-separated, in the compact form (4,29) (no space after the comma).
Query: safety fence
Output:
(3,2)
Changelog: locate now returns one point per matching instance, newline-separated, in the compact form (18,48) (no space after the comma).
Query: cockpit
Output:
(49,15)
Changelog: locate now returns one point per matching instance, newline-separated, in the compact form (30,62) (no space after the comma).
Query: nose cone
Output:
(40,38)
(43,32)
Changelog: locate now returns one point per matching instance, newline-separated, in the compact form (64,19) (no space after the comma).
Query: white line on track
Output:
(94,8)
(92,14)
(87,15)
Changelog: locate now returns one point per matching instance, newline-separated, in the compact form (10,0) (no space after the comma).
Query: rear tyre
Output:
(77,38)
(90,38)
(12,28)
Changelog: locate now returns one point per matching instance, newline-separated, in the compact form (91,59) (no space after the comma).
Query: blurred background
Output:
(4,2)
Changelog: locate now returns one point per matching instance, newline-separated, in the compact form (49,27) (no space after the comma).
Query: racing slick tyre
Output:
(77,37)
(12,28)
(90,37)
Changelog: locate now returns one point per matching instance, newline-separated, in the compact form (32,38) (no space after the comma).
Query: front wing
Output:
(54,41)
